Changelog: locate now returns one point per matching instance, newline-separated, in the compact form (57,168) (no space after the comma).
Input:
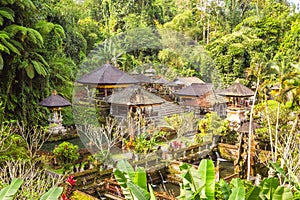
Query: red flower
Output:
(71,181)
(64,197)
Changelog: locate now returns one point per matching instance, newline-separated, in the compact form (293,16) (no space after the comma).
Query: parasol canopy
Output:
(54,100)
(237,90)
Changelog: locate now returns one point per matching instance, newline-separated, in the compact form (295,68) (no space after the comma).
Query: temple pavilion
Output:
(134,100)
(238,103)
(106,79)
(201,98)
(141,78)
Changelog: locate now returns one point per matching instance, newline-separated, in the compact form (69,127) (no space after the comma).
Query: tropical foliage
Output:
(133,182)
(41,50)
(44,43)
(66,154)
(9,192)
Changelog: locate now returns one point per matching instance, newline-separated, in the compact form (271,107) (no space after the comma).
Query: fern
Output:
(28,34)
(39,68)
(1,62)
(35,37)
(7,13)
(10,47)
(44,27)
(6,45)
(14,29)
(40,58)
(24,4)
(47,28)
(4,49)
(17,44)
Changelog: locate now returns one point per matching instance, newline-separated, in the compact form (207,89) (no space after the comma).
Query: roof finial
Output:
(54,92)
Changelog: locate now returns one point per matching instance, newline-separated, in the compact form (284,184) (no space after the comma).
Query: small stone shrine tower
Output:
(55,103)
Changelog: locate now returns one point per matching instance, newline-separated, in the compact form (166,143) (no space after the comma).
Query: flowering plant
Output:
(71,181)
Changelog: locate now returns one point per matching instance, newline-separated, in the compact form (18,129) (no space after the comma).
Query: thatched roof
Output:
(150,71)
(162,80)
(195,89)
(207,101)
(214,98)
(167,109)
(173,84)
(134,95)
(190,102)
(244,128)
(187,80)
(141,78)
(107,75)
(237,90)
(55,100)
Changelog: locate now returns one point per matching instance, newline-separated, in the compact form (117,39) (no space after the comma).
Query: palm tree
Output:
(292,85)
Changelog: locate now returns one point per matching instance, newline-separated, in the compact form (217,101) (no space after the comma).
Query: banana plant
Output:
(198,184)
(9,192)
(269,188)
(53,194)
(133,183)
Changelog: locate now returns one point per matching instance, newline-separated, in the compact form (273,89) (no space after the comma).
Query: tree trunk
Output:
(251,133)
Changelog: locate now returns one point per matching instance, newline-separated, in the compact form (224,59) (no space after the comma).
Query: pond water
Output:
(226,168)
(169,188)
(49,146)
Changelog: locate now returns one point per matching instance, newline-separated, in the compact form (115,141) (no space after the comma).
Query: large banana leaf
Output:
(53,194)
(206,172)
(238,190)
(269,186)
(198,183)
(191,175)
(237,193)
(133,184)
(124,166)
(283,193)
(8,192)
(122,181)
(190,182)
(253,193)
(186,191)
(137,192)
(226,190)
(140,178)
(236,182)
(151,191)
